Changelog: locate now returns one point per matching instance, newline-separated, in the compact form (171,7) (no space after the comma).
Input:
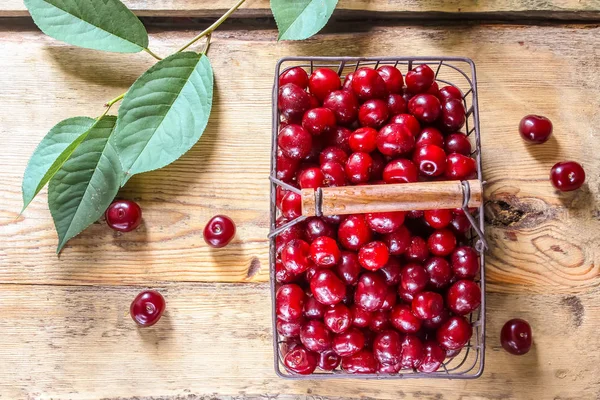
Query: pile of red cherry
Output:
(380,292)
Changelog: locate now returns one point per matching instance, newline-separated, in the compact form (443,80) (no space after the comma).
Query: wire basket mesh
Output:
(454,71)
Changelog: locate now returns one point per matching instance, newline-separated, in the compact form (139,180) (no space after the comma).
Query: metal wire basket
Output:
(455,71)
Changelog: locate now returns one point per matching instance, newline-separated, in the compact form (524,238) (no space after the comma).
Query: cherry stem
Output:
(214,26)
(153,54)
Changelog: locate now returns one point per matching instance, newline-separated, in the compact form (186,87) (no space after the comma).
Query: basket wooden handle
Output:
(385,198)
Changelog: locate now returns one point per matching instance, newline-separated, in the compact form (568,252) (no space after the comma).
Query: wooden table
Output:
(64,328)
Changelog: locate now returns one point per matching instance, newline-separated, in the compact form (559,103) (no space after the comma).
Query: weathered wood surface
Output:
(79,343)
(570,9)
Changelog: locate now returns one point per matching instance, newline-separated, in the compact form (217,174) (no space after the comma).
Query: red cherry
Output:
(427,305)
(348,269)
(286,167)
(377,168)
(426,107)
(516,336)
(413,278)
(316,227)
(453,115)
(439,271)
(325,252)
(567,176)
(392,78)
(404,320)
(348,343)
(368,84)
(291,205)
(460,167)
(373,255)
(463,297)
(400,170)
(319,121)
(434,357)
(282,275)
(344,105)
(299,360)
(450,92)
(391,297)
(328,360)
(360,317)
(348,82)
(334,174)
(339,138)
(123,215)
(295,256)
(315,336)
(219,231)
(327,288)
(465,262)
(289,329)
(430,135)
(287,235)
(412,352)
(441,242)
(354,232)
(460,224)
(338,318)
(380,321)
(294,141)
(398,241)
(430,159)
(391,271)
(417,250)
(395,139)
(362,362)
(311,178)
(370,291)
(358,167)
(455,333)
(385,222)
(419,79)
(535,128)
(396,104)
(313,309)
(295,75)
(434,323)
(409,122)
(387,347)
(373,113)
(293,102)
(289,301)
(434,89)
(147,308)
(438,219)
(323,81)
(334,154)
(363,139)
(458,143)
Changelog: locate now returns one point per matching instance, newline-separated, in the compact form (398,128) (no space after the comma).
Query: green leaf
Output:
(86,184)
(300,19)
(94,24)
(51,154)
(164,113)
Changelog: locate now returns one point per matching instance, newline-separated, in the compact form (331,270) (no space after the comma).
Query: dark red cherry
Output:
(430,159)
(438,219)
(315,336)
(282,275)
(377,167)
(427,305)
(358,167)
(289,329)
(287,235)
(419,79)
(368,84)
(373,113)
(412,352)
(380,321)
(391,297)
(344,105)
(370,291)
(348,81)
(294,141)
(319,121)
(363,139)
(460,167)
(396,104)
(391,271)
(439,271)
(425,107)
(433,358)
(296,256)
(147,308)
(348,268)
(313,309)
(354,232)
(328,360)
(434,89)
(327,288)
(395,139)
(460,224)
(453,115)
(362,362)
(392,77)
(450,92)
(535,128)
(417,250)
(441,242)
(360,317)
(293,102)
(325,252)
(289,302)
(567,176)
(340,138)
(348,343)
(334,174)
(404,320)
(385,222)
(455,333)
(434,323)
(286,167)
(316,227)
(400,171)
(338,318)
(516,336)
(299,360)
(334,154)
(387,347)
(323,81)
(413,278)
(458,143)
(219,231)
(465,262)
(409,122)
(430,135)
(463,297)
(296,75)
(124,215)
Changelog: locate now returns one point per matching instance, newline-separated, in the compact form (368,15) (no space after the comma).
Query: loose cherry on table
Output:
(123,215)
(535,128)
(516,337)
(567,176)
(219,231)
(147,308)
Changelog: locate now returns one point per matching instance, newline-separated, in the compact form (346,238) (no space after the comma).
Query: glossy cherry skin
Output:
(316,227)
(293,102)
(294,141)
(458,143)
(289,329)
(427,305)
(323,81)
(296,75)
(439,271)
(286,167)
(463,297)
(348,268)
(315,336)
(313,309)
(338,318)
(430,159)
(344,105)
(441,242)
(362,362)
(460,224)
(282,275)
(404,320)
(417,250)
(465,262)
(348,343)
(123,215)
(373,255)
(354,232)
(413,278)
(340,138)
(325,252)
(347,85)
(380,321)
(360,317)
(434,323)
(412,352)
(385,222)
(363,139)
(373,113)
(535,128)
(392,77)
(391,297)
(391,272)
(449,92)
(291,205)
(425,107)
(289,301)
(567,176)
(419,79)
(430,135)
(433,358)
(219,231)
(287,235)
(453,115)
(409,122)
(395,139)
(396,104)
(387,347)
(311,178)
(516,337)
(327,288)
(377,167)
(460,167)
(455,333)
(400,170)
(334,154)
(328,360)
(370,291)
(358,167)
(368,84)
(300,361)
(438,219)
(296,256)
(318,121)
(147,308)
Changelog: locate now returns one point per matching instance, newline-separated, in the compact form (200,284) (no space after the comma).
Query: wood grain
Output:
(80,343)
(260,8)
(540,240)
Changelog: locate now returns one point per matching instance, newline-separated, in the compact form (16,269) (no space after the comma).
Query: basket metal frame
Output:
(455,368)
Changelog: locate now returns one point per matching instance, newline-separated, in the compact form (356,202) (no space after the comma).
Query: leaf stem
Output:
(207,44)
(113,101)
(153,54)
(214,26)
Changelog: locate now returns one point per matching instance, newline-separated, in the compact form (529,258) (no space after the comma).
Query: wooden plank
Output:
(540,240)
(260,8)
(79,343)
